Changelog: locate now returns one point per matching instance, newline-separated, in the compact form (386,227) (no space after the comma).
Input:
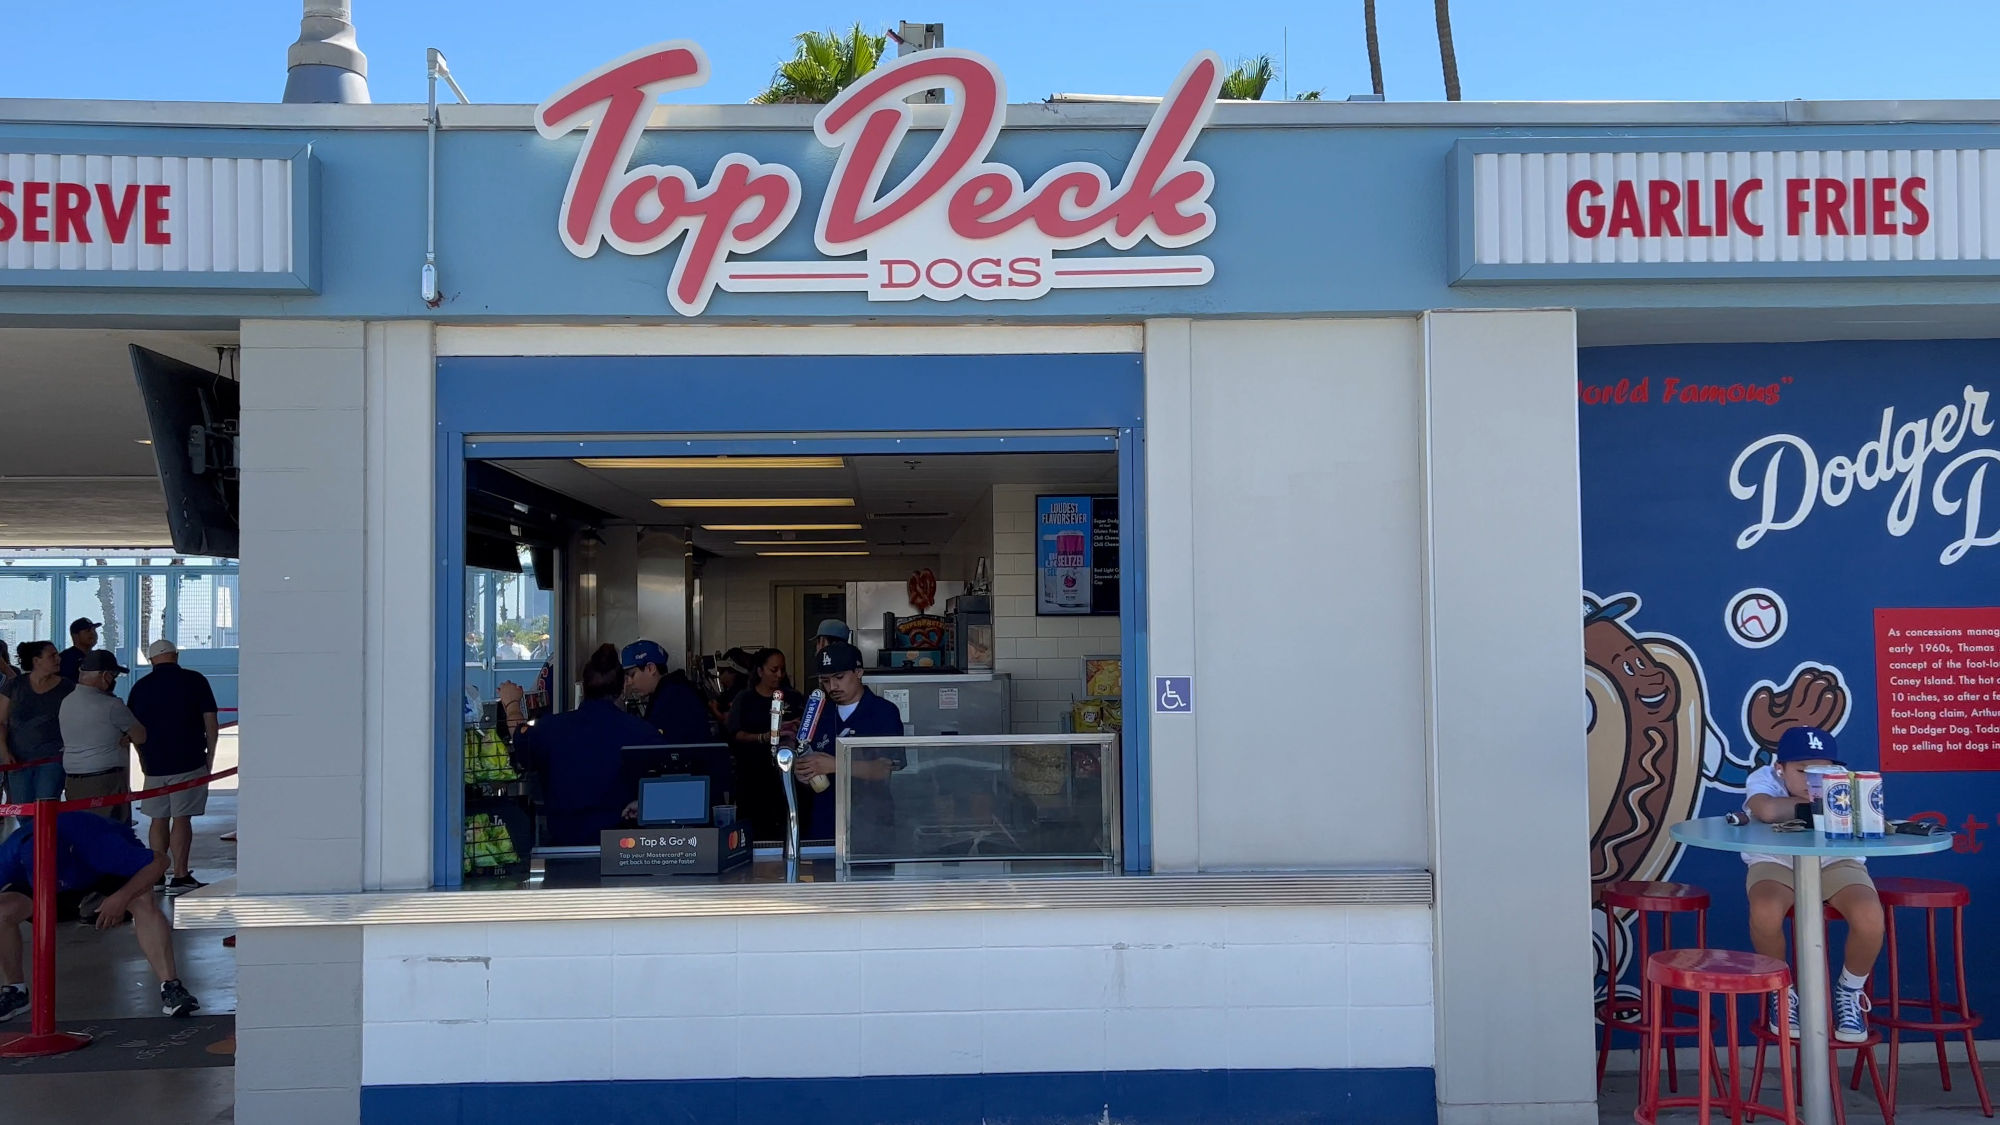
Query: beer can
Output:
(1839,791)
(1869,821)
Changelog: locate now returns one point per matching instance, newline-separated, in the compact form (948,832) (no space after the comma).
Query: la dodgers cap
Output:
(1806,744)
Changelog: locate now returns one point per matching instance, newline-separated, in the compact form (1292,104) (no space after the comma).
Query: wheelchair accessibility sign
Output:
(1173,695)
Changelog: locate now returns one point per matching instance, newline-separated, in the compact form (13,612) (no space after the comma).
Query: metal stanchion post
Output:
(42,1037)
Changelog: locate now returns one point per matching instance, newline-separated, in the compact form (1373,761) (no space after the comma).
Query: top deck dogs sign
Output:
(956,226)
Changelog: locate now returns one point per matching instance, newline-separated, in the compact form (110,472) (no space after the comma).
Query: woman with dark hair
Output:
(760,791)
(579,756)
(31,724)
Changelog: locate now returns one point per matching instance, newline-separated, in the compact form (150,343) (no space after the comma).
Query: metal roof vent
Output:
(325,64)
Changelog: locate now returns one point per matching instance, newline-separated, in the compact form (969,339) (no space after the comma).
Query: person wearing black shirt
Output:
(759,793)
(673,706)
(852,710)
(177,708)
(82,638)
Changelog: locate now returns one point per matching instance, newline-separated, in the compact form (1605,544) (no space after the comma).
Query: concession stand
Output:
(1282,467)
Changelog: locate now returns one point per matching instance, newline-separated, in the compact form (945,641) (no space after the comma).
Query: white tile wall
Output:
(953,992)
(1044,655)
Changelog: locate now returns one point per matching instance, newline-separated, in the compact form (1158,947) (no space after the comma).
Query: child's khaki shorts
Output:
(1834,877)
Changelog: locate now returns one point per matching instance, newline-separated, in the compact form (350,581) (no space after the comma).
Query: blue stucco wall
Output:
(1311,220)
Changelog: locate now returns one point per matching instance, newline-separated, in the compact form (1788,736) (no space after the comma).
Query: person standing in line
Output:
(30,726)
(8,673)
(97,730)
(82,641)
(177,708)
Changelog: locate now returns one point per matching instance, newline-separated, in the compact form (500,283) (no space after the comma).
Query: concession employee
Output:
(579,755)
(852,709)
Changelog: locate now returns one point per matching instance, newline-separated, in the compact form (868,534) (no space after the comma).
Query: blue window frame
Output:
(568,406)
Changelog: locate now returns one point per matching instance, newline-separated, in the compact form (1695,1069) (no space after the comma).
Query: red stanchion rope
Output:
(83,804)
(42,1037)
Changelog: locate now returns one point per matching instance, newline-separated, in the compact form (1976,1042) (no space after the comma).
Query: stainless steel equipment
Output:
(936,703)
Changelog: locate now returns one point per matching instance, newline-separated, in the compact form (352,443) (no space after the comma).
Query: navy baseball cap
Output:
(640,653)
(82,623)
(836,658)
(98,660)
(1806,744)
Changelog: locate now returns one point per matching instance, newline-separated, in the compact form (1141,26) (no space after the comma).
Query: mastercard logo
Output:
(627,842)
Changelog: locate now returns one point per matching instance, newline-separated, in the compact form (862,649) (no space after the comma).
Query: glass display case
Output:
(1023,798)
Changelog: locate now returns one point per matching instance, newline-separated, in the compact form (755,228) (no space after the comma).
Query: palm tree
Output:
(1248,80)
(1374,47)
(1446,52)
(827,62)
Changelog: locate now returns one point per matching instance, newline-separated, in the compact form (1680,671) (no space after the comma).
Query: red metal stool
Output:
(1929,896)
(1644,901)
(1712,972)
(1864,1053)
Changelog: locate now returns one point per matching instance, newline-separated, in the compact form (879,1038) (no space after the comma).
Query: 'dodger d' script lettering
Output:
(956,225)
(1794,481)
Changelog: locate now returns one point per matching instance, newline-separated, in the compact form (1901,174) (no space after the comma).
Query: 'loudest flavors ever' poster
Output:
(1786,534)
(1076,555)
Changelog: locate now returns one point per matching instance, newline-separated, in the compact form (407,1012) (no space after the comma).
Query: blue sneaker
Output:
(1850,1014)
(1792,1003)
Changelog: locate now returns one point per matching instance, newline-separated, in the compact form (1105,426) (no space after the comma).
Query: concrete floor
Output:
(102,976)
(1921,1099)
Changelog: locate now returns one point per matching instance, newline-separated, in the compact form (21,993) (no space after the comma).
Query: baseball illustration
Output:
(1756,618)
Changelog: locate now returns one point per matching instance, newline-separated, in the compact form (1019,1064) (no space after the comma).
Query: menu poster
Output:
(1937,672)
(1076,555)
(1104,555)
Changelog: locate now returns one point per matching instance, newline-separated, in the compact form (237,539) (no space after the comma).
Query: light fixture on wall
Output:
(810,554)
(712,462)
(758,502)
(801,542)
(774,528)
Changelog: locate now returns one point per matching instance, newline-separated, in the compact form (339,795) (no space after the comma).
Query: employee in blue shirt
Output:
(852,710)
(103,873)
(673,706)
(579,756)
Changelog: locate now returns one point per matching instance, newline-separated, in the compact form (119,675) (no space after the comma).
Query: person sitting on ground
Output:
(1772,794)
(97,732)
(82,641)
(673,705)
(177,708)
(103,873)
(31,726)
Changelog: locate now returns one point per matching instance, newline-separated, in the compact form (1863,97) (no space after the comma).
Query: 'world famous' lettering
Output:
(1785,477)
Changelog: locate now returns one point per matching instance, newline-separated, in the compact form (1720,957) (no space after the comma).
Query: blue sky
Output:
(514,51)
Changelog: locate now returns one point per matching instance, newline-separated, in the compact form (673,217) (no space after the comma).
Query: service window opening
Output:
(948,602)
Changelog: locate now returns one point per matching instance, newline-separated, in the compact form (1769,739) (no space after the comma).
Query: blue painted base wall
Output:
(1161,1097)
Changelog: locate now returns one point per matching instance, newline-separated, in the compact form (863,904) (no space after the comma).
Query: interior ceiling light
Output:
(789,542)
(774,528)
(142,441)
(712,462)
(759,502)
(810,554)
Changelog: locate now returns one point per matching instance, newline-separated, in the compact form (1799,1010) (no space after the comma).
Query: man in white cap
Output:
(178,709)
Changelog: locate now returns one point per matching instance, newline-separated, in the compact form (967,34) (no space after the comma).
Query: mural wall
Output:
(1785,534)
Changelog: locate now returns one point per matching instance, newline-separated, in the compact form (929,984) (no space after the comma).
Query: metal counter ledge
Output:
(762,889)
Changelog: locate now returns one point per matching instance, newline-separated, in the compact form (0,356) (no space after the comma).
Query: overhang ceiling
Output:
(72,471)
(906,505)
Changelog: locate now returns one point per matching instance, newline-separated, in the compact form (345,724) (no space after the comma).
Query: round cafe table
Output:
(1806,850)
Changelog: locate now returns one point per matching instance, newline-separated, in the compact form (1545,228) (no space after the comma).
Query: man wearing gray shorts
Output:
(178,708)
